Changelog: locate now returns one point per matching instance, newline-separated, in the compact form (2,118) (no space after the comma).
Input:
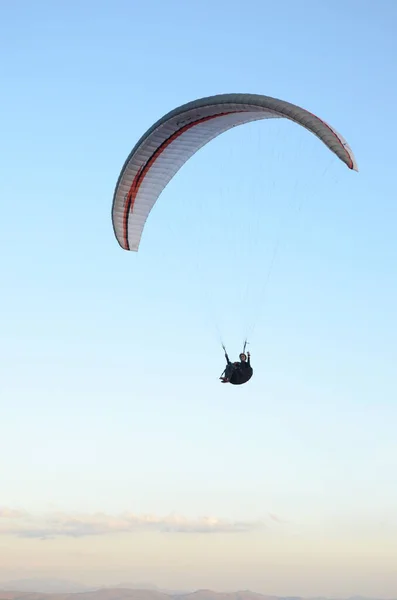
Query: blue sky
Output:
(110,360)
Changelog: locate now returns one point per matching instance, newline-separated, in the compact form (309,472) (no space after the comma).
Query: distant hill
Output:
(119,593)
(32,590)
(48,586)
(149,586)
(211,595)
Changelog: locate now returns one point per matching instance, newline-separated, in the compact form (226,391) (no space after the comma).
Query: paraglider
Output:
(237,373)
(176,137)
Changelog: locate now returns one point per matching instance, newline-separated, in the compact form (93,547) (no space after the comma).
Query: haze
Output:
(122,456)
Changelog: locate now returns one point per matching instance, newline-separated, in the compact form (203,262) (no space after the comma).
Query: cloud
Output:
(60,524)
(11,513)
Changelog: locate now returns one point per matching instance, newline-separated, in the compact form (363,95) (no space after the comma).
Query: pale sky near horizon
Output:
(122,457)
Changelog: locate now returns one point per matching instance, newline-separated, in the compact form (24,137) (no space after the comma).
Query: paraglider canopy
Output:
(172,140)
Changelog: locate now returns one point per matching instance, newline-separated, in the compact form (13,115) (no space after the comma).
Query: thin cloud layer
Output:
(79,525)
(11,513)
